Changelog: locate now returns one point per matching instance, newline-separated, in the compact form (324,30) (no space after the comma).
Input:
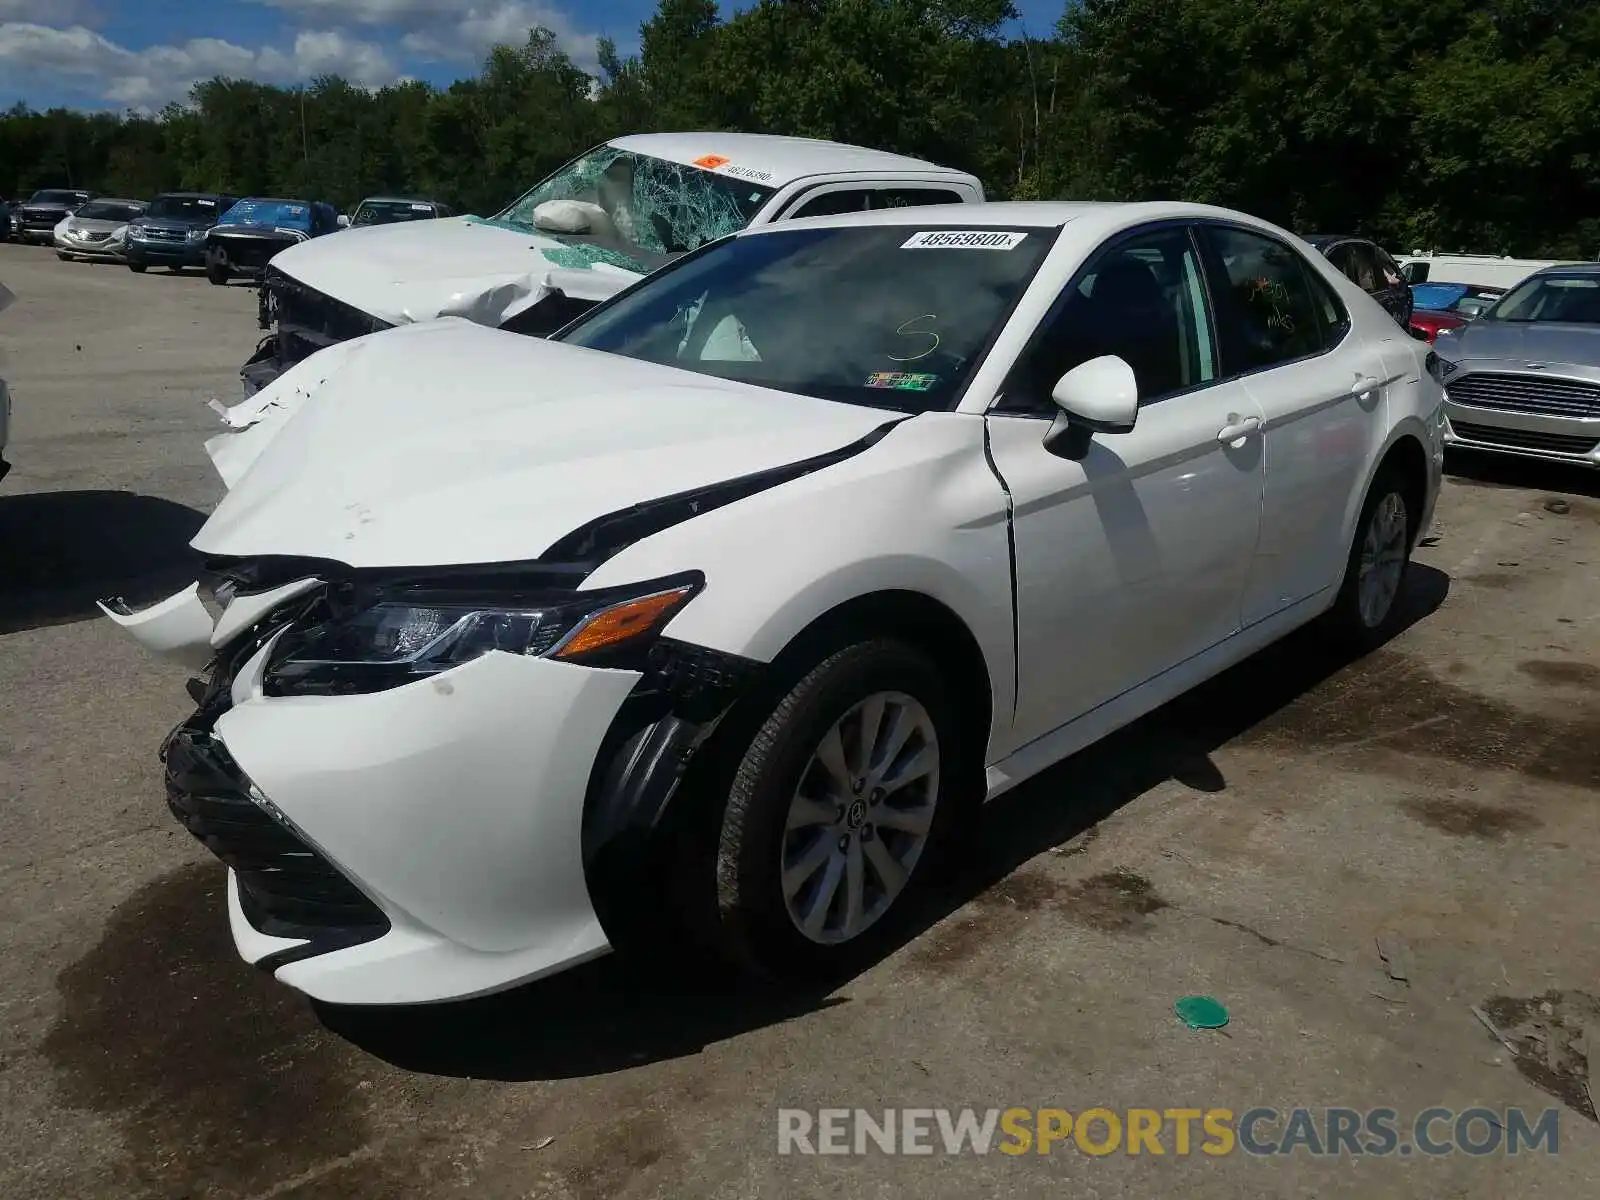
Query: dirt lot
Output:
(1252,842)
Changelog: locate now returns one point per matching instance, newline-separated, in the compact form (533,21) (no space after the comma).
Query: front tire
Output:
(137,268)
(1367,612)
(841,804)
(217,274)
(63,256)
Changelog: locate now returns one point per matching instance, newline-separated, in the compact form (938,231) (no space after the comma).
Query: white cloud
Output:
(448,30)
(150,77)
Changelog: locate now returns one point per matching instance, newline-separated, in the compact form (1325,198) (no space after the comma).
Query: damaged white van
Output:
(601,222)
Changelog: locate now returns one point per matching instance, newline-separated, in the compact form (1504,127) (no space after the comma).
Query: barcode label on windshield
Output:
(963,239)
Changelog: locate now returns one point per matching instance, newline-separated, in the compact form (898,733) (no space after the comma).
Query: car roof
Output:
(1025,214)
(784,159)
(119,200)
(1327,239)
(190,195)
(398,200)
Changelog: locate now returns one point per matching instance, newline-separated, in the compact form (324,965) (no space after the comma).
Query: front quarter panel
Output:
(920,511)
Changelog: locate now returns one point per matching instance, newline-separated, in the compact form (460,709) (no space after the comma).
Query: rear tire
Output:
(1368,612)
(824,840)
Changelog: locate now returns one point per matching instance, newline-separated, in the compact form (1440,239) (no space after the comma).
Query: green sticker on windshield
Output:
(905,381)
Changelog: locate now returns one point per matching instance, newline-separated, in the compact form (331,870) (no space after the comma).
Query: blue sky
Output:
(142,53)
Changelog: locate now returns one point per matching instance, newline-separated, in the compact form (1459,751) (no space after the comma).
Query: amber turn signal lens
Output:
(621,623)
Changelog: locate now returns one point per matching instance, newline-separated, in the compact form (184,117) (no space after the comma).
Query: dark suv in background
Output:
(172,231)
(1371,269)
(37,218)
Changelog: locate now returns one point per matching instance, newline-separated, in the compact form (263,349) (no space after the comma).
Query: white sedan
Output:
(785,559)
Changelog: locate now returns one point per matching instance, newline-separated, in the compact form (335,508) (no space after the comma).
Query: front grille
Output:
(1528,394)
(286,888)
(165,235)
(1524,439)
(95,237)
(308,320)
(252,253)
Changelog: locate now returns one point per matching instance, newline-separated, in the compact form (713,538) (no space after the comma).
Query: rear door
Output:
(1287,337)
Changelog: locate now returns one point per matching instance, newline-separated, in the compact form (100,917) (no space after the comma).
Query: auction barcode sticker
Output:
(963,239)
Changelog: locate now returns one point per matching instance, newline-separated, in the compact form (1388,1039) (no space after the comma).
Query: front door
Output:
(1133,558)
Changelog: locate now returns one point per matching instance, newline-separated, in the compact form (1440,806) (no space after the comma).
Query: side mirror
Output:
(343,221)
(1098,396)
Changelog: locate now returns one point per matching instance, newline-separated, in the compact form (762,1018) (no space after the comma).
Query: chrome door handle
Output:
(1238,430)
(1368,384)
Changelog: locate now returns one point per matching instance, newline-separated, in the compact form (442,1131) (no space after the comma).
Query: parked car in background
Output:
(1491,270)
(247,236)
(6,209)
(171,232)
(36,220)
(391,210)
(855,523)
(1370,268)
(1524,377)
(598,224)
(97,230)
(1440,306)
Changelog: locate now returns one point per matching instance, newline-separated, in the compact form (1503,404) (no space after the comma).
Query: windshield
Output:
(386,212)
(890,316)
(109,210)
(287,214)
(55,196)
(1436,296)
(635,202)
(1569,299)
(184,207)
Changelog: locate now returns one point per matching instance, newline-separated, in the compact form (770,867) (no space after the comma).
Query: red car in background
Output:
(1440,306)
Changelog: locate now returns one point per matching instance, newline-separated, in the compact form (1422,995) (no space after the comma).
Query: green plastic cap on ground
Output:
(1201,1012)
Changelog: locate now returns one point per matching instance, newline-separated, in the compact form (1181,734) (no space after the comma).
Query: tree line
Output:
(1456,124)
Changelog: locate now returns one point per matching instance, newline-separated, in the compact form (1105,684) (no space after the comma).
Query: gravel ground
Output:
(1255,841)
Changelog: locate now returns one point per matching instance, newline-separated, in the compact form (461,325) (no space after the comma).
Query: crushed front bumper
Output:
(428,842)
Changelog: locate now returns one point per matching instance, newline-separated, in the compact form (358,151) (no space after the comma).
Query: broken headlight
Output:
(411,635)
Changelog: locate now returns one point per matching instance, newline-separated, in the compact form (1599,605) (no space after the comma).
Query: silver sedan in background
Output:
(1524,378)
(97,230)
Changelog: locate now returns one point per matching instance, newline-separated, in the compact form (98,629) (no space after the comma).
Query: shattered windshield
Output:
(387,212)
(633,201)
(893,316)
(183,207)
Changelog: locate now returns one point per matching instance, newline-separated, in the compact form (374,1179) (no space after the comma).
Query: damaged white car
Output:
(785,560)
(597,225)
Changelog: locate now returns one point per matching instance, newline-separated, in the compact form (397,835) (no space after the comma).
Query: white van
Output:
(1489,270)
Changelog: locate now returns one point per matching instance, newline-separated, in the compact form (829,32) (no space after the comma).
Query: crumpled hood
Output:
(451,443)
(1532,341)
(452,266)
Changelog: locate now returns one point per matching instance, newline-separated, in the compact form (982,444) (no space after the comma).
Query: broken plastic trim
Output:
(606,536)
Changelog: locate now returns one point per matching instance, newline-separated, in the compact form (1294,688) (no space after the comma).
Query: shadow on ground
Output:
(62,551)
(1476,468)
(657,1002)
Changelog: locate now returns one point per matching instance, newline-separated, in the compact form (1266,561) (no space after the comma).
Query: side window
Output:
(912,197)
(1343,258)
(1271,306)
(831,204)
(1415,272)
(1388,269)
(1142,299)
(1368,276)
